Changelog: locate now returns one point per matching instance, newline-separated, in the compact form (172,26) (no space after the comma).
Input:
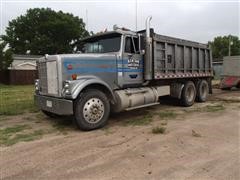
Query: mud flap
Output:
(176,90)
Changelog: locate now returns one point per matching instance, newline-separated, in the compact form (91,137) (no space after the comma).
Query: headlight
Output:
(37,84)
(66,87)
(67,91)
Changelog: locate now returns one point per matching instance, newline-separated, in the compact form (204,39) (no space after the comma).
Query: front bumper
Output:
(54,105)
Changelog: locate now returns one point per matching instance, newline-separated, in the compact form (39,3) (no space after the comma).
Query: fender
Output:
(78,85)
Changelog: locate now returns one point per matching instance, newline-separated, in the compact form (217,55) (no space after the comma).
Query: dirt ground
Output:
(200,142)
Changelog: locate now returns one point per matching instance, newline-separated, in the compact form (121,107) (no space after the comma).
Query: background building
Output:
(24,62)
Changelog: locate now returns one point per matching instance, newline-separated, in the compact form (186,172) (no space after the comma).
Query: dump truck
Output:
(121,70)
(231,73)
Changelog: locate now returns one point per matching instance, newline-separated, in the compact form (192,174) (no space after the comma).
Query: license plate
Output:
(49,103)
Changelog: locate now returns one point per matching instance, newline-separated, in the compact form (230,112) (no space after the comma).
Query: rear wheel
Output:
(91,110)
(202,91)
(188,94)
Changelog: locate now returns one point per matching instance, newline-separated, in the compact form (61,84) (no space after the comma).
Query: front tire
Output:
(188,94)
(91,110)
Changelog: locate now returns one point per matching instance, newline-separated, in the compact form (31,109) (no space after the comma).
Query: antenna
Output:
(136,14)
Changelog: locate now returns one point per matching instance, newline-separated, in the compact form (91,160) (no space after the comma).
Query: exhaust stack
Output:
(148,50)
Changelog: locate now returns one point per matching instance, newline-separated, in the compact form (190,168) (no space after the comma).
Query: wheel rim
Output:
(93,110)
(190,94)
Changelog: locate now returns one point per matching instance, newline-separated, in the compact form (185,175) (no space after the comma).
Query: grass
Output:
(164,123)
(16,99)
(19,133)
(37,134)
(13,129)
(29,118)
(140,121)
(60,127)
(60,124)
(3,118)
(167,115)
(6,134)
(159,130)
(40,115)
(214,108)
(147,119)
(208,108)
(107,130)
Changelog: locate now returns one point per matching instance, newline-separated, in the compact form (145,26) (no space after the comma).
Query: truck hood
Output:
(88,64)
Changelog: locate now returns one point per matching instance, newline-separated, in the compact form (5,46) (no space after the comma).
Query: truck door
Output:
(132,62)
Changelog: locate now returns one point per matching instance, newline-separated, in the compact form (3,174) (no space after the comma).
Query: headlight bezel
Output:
(66,87)
(36,84)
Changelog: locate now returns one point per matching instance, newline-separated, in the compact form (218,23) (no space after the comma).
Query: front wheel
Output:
(91,110)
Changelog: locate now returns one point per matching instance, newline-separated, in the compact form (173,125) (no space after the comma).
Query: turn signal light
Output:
(74,76)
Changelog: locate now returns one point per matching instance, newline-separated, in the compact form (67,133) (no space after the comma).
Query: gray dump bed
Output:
(231,66)
(177,58)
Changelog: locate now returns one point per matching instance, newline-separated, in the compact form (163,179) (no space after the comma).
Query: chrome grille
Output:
(52,78)
(42,73)
(48,82)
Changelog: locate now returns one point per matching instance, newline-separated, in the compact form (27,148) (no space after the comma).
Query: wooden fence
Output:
(18,77)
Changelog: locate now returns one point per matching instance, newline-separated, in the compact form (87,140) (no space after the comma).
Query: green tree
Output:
(44,31)
(220,46)
(5,56)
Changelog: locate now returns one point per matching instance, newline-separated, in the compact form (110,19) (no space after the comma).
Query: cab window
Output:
(102,44)
(135,40)
(131,45)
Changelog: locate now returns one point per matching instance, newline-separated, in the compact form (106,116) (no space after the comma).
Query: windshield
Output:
(102,44)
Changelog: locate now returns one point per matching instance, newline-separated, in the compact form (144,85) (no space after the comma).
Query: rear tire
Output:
(91,110)
(202,91)
(188,94)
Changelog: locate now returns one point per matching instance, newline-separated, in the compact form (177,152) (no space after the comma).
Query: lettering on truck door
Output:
(132,67)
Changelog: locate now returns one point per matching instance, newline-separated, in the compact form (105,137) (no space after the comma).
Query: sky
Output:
(199,20)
